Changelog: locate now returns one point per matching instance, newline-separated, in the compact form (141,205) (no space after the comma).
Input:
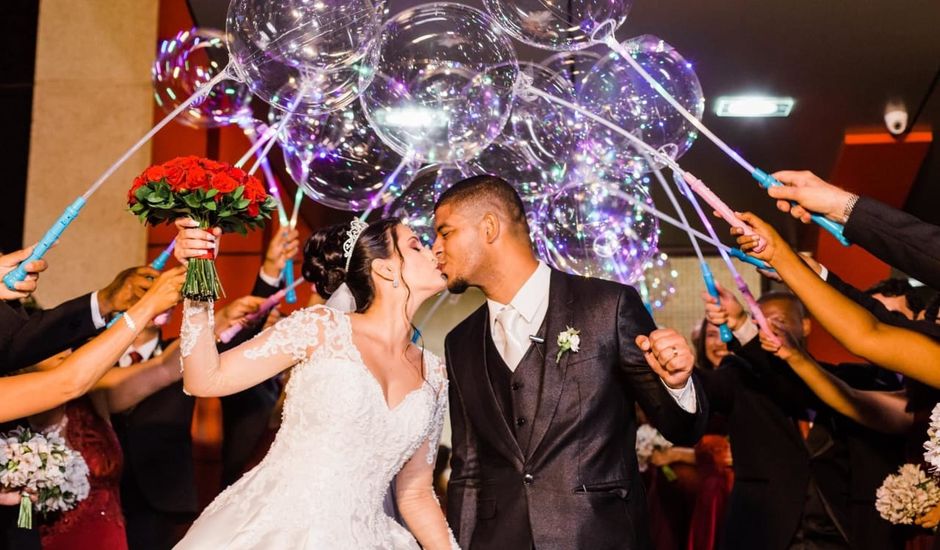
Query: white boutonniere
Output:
(568,340)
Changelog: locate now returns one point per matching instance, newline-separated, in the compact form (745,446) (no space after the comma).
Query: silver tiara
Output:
(356,227)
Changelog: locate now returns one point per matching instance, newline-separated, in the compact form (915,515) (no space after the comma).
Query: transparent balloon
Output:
(658,283)
(415,206)
(340,162)
(593,229)
(302,55)
(557,24)
(444,81)
(572,66)
(615,91)
(184,64)
(536,146)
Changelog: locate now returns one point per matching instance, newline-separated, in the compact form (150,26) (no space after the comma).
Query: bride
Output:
(364,404)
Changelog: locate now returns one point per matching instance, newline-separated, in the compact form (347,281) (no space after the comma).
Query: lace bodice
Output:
(339,445)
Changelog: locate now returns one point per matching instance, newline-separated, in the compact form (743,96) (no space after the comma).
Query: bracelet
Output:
(849,206)
(129,322)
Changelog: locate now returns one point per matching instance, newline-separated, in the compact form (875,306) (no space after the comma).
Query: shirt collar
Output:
(528,299)
(147,349)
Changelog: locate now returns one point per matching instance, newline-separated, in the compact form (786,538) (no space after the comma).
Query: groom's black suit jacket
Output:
(575,484)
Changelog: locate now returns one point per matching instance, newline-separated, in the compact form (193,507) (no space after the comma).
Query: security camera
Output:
(896,117)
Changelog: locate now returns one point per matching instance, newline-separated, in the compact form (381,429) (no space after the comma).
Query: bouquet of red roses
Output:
(214,194)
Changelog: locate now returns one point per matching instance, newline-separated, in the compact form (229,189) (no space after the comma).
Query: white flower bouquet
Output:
(41,465)
(648,439)
(907,495)
(932,445)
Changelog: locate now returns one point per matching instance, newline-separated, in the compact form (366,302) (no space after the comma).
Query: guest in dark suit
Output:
(27,338)
(833,473)
(894,236)
(544,433)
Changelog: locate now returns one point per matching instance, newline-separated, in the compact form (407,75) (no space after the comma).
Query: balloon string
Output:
(251,132)
(279,127)
(376,201)
(201,91)
(265,137)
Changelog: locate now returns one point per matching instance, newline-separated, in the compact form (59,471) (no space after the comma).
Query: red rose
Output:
(223,183)
(176,176)
(253,210)
(197,177)
(154,173)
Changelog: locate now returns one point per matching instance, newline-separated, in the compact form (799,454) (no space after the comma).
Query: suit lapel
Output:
(559,317)
(479,391)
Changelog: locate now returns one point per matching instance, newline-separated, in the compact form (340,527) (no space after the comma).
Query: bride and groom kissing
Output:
(541,383)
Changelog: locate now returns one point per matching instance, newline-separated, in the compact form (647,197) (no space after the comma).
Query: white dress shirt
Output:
(146,350)
(531,304)
(96,317)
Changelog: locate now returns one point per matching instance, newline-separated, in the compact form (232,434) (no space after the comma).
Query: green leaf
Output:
(239,191)
(242,204)
(210,205)
(191,200)
(212,193)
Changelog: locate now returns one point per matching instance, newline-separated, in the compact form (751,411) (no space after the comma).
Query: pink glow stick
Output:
(719,205)
(263,310)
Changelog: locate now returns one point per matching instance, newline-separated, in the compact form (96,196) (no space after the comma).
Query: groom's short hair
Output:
(478,190)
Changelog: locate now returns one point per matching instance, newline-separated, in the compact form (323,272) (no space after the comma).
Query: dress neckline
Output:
(357,358)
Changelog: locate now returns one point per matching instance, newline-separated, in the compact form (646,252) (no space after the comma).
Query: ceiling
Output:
(841,60)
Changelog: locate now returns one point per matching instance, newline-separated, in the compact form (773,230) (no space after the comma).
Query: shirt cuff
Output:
(96,317)
(823,273)
(746,332)
(270,281)
(684,396)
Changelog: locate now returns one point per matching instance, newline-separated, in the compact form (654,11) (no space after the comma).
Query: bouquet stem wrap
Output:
(25,519)
(202,279)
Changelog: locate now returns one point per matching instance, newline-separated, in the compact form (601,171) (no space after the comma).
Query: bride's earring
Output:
(395,282)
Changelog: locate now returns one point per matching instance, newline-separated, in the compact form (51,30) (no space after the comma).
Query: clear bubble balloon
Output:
(415,206)
(592,229)
(658,283)
(572,66)
(615,91)
(186,63)
(535,148)
(302,55)
(557,24)
(444,80)
(340,162)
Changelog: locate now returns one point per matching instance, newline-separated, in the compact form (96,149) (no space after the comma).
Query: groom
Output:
(543,432)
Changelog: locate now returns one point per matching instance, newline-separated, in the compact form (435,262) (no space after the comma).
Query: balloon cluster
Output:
(361,104)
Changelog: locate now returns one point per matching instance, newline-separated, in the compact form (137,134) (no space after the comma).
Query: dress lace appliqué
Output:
(191,328)
(294,335)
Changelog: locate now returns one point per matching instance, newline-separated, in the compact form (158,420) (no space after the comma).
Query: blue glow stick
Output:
(707,276)
(158,263)
(49,239)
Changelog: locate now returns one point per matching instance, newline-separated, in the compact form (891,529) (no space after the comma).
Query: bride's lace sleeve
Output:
(207,374)
(415,482)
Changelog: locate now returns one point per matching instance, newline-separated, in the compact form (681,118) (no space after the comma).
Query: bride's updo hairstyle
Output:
(325,264)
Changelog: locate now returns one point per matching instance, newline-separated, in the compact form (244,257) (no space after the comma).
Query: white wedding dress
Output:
(323,481)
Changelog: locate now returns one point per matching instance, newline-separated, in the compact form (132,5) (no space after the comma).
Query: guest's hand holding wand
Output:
(811,195)
(24,288)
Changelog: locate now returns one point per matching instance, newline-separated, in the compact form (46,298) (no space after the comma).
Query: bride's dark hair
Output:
(325,265)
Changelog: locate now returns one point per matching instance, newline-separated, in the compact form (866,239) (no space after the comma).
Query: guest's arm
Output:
(879,410)
(27,394)
(126,387)
(898,349)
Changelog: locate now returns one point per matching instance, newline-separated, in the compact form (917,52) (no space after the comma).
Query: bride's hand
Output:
(192,242)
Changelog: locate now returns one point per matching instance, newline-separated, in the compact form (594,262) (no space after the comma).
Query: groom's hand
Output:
(669,355)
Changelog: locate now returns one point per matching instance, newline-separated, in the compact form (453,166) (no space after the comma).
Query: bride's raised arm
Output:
(208,374)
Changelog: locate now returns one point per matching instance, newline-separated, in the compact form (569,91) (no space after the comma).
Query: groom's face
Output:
(457,247)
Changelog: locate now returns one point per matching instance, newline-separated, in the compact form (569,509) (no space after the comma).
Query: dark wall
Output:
(18,22)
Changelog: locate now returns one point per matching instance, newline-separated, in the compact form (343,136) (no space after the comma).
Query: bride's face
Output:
(419,266)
